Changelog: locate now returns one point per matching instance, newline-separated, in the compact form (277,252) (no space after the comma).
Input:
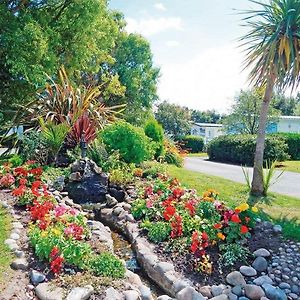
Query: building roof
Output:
(208,125)
(290,117)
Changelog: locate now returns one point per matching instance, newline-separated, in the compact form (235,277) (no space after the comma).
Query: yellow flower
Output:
(44,234)
(56,231)
(254,209)
(221,236)
(242,207)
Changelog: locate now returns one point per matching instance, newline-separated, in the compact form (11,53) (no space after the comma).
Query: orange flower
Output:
(218,226)
(221,236)
(244,229)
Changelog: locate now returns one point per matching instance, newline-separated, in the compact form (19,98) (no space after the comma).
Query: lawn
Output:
(199,154)
(290,165)
(5,254)
(234,193)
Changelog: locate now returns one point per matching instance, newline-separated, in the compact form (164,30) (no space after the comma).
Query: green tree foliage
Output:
(208,116)
(174,119)
(288,106)
(155,132)
(244,115)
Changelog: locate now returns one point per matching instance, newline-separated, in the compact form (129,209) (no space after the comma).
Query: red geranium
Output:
(235,218)
(20,171)
(190,205)
(34,188)
(169,212)
(23,181)
(56,265)
(199,243)
(168,201)
(54,252)
(18,192)
(218,226)
(36,171)
(74,230)
(244,229)
(176,226)
(178,192)
(38,211)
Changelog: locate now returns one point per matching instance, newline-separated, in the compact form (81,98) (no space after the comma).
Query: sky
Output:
(195,45)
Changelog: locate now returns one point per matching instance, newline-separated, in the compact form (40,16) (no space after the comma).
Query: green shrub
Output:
(293,142)
(106,264)
(153,168)
(233,253)
(173,153)
(192,143)
(131,142)
(97,152)
(159,232)
(240,149)
(16,160)
(156,133)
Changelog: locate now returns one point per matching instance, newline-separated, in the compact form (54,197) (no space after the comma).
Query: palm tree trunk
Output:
(257,188)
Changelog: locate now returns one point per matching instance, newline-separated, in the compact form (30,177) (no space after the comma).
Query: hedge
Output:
(240,149)
(192,143)
(293,142)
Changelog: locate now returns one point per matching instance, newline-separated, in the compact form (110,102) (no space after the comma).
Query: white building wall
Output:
(288,125)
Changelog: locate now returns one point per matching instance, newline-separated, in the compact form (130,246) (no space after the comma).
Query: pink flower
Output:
(73,212)
(149,204)
(60,210)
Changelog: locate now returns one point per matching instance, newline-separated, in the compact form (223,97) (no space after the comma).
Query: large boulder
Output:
(87,183)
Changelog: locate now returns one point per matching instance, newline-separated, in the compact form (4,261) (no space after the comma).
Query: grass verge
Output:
(199,154)
(5,254)
(284,210)
(289,165)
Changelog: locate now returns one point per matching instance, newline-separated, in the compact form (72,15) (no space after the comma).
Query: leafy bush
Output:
(173,153)
(121,176)
(106,264)
(131,142)
(240,149)
(293,142)
(97,152)
(233,253)
(159,232)
(156,133)
(192,143)
(152,168)
(16,160)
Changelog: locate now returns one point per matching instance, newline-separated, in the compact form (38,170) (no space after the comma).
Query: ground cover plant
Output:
(186,222)
(57,233)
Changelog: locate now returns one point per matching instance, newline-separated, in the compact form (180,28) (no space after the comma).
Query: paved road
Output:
(288,183)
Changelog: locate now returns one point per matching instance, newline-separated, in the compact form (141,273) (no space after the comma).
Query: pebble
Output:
(253,291)
(237,290)
(248,271)
(216,290)
(36,277)
(131,295)
(19,264)
(262,252)
(46,291)
(80,293)
(260,264)
(263,279)
(235,278)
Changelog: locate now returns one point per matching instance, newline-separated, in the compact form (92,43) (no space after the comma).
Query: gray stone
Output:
(36,277)
(235,278)
(237,290)
(17,225)
(284,285)
(19,253)
(118,210)
(46,291)
(145,293)
(112,294)
(81,293)
(130,218)
(262,252)
(179,285)
(131,295)
(133,278)
(14,236)
(248,271)
(277,228)
(164,297)
(253,291)
(293,296)
(243,298)
(260,264)
(220,297)
(263,279)
(19,264)
(189,293)
(163,267)
(274,293)
(232,296)
(205,291)
(295,289)
(111,201)
(216,290)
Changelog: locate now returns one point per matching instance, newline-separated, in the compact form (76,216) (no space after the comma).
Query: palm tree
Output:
(273,54)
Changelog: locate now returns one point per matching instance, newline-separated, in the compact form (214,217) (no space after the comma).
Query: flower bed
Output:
(58,234)
(202,229)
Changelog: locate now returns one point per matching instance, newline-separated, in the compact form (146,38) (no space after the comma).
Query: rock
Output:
(179,285)
(164,297)
(163,267)
(117,194)
(235,278)
(112,294)
(263,279)
(46,291)
(232,296)
(19,253)
(133,278)
(295,289)
(59,183)
(248,271)
(17,225)
(130,218)
(205,291)
(189,293)
(81,293)
(131,295)
(90,186)
(220,297)
(277,228)
(237,290)
(274,293)
(19,264)
(284,285)
(145,293)
(253,291)
(118,210)
(36,277)
(262,252)
(111,201)
(11,244)
(293,296)
(14,236)
(260,264)
(216,290)
(243,298)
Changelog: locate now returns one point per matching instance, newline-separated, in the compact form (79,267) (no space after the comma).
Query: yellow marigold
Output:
(56,231)
(242,207)
(209,199)
(254,209)
(206,194)
(221,236)
(44,234)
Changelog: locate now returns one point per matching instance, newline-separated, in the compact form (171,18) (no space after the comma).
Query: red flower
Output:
(190,205)
(235,218)
(22,181)
(178,192)
(169,212)
(18,192)
(45,191)
(56,265)
(54,252)
(36,171)
(34,188)
(204,236)
(168,201)
(176,226)
(75,231)
(39,211)
(244,229)
(247,219)
(218,226)
(20,171)
(199,243)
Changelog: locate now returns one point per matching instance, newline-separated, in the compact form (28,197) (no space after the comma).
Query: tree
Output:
(273,47)
(244,115)
(174,119)
(287,105)
(208,116)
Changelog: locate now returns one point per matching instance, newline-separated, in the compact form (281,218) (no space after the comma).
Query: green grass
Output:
(199,154)
(289,165)
(5,257)
(283,210)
